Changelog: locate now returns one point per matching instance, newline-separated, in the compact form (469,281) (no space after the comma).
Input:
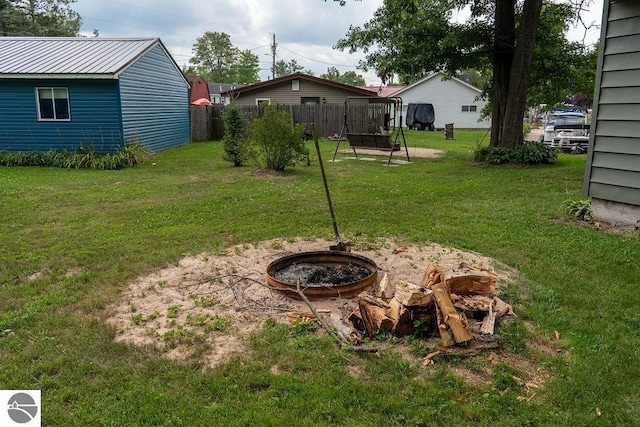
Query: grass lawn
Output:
(71,241)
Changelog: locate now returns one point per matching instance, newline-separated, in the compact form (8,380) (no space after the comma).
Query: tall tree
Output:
(284,68)
(246,68)
(585,81)
(217,60)
(332,74)
(414,37)
(348,78)
(39,18)
(561,69)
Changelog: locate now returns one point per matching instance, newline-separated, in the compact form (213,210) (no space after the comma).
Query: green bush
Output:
(273,143)
(578,209)
(234,140)
(84,156)
(529,153)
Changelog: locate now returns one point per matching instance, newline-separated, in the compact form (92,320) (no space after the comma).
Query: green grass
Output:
(88,233)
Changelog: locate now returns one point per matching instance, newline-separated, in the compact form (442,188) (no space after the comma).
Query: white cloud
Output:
(305,30)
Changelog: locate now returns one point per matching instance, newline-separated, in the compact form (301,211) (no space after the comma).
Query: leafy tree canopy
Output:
(217,60)
(348,78)
(284,68)
(39,18)
(413,38)
(561,70)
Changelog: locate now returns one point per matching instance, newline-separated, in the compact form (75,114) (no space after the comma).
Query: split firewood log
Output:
(374,314)
(466,281)
(373,300)
(432,275)
(489,321)
(450,319)
(493,274)
(387,288)
(356,319)
(410,294)
(402,318)
(482,303)
(345,330)
(472,302)
(445,333)
(502,308)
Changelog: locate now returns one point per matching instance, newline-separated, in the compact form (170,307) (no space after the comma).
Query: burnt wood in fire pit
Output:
(322,274)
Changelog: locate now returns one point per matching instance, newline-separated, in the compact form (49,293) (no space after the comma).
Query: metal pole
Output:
(273,57)
(340,246)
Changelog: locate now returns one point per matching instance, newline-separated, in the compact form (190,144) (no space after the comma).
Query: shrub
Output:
(85,156)
(274,144)
(234,140)
(529,153)
(578,209)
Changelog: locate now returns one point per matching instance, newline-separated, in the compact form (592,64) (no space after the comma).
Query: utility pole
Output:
(273,57)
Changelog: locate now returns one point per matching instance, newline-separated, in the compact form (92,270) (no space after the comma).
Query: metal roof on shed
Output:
(66,57)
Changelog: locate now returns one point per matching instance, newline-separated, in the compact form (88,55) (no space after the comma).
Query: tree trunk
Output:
(520,71)
(512,61)
(503,47)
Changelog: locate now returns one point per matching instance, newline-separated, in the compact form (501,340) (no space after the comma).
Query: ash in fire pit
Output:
(322,274)
(308,274)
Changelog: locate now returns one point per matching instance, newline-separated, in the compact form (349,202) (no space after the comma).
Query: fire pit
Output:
(322,274)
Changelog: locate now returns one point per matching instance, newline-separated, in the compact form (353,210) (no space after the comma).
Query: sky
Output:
(305,30)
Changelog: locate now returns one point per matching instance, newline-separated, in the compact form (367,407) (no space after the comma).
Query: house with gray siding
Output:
(296,89)
(612,178)
(60,92)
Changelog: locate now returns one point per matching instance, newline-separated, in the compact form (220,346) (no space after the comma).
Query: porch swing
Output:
(375,141)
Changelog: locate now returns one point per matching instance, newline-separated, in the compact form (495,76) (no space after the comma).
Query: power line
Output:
(137,26)
(169,14)
(318,61)
(165,31)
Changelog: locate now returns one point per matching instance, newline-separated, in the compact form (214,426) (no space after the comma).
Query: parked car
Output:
(562,120)
(420,116)
(563,117)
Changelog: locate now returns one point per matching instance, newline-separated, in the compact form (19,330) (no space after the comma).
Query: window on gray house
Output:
(306,100)
(469,108)
(53,103)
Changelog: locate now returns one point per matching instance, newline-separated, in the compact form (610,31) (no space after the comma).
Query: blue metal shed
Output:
(58,93)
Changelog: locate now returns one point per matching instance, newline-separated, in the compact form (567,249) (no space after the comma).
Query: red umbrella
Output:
(201,101)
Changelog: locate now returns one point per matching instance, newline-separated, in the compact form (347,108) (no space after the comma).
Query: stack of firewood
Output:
(461,305)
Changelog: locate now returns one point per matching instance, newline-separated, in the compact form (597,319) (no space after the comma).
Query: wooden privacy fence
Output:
(207,124)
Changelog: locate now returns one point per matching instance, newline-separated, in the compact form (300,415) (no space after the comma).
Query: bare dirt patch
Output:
(208,304)
(626,230)
(424,153)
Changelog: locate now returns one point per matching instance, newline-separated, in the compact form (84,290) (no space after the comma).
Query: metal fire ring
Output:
(346,290)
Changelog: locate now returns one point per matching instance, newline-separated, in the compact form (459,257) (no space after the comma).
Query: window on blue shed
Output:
(53,103)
